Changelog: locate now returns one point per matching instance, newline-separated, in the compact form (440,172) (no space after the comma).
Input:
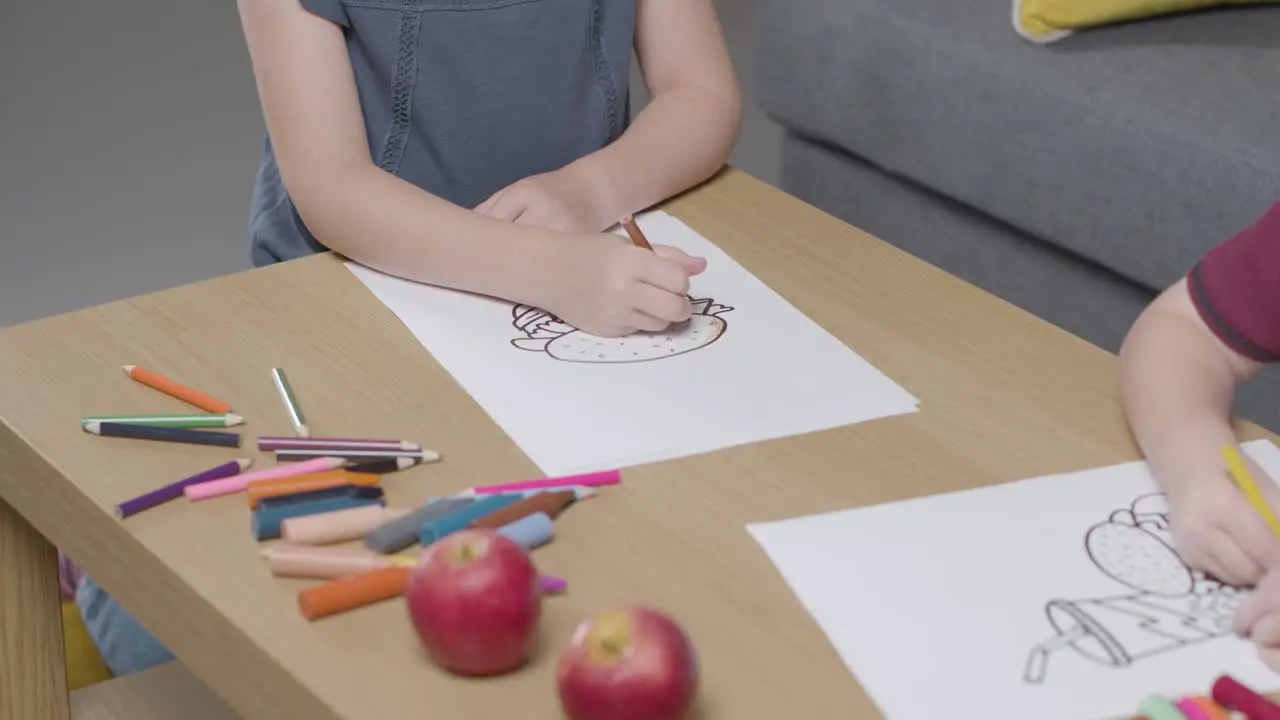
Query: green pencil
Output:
(200,420)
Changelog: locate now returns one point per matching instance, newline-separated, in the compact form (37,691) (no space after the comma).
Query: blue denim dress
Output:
(461,98)
(464,97)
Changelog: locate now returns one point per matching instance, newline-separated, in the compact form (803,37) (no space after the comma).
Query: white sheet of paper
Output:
(767,372)
(938,605)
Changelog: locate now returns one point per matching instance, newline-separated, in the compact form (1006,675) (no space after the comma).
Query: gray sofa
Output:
(1073,180)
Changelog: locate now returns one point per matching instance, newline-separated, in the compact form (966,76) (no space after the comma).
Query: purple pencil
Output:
(552,584)
(173,491)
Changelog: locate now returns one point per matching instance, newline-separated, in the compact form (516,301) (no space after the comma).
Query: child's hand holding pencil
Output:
(1226,524)
(609,287)
(1258,619)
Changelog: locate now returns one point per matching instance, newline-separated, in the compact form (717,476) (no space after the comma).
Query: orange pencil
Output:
(633,230)
(173,389)
(353,591)
(261,489)
(1207,707)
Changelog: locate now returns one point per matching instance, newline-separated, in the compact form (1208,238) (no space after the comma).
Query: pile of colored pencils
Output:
(324,491)
(356,577)
(1228,698)
(338,470)
(169,428)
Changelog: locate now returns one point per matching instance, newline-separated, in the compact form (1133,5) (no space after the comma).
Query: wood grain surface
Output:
(1004,396)
(166,692)
(33,679)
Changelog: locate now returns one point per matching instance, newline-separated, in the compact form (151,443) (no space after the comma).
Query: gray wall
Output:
(130,136)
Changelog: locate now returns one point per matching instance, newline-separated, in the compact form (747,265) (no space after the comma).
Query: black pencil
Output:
(382,466)
(163,434)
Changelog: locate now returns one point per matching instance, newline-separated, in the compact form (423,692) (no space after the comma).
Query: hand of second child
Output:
(1215,529)
(561,200)
(603,285)
(1258,619)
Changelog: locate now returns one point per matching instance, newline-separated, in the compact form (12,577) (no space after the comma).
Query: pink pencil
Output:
(596,479)
(238,483)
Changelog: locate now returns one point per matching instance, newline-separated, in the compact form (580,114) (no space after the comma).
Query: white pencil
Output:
(426,456)
(296,419)
(580,492)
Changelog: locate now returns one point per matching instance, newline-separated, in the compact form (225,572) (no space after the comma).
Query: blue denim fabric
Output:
(464,97)
(125,645)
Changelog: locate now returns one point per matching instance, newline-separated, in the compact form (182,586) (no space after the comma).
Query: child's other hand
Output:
(1258,619)
(1215,529)
(603,285)
(562,200)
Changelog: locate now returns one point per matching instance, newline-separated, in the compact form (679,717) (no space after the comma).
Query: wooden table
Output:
(1003,396)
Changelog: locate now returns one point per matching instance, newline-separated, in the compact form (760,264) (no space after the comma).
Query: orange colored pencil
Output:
(260,489)
(353,591)
(633,231)
(159,382)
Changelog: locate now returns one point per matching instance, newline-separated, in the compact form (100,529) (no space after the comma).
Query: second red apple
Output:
(628,663)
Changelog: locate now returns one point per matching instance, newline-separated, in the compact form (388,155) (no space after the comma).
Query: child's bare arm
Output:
(684,135)
(1177,382)
(312,111)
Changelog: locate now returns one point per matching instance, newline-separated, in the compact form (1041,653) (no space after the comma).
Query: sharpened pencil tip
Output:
(244,463)
(304,431)
(234,419)
(405,463)
(430,456)
(93,427)
(128,369)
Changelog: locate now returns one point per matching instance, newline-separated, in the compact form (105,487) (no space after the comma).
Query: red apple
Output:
(628,663)
(475,601)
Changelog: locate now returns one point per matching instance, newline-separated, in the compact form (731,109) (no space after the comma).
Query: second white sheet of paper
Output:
(748,367)
(1056,598)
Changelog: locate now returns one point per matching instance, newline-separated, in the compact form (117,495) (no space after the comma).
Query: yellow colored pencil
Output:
(1235,464)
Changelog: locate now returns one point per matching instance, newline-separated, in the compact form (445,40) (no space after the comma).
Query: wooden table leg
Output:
(33,671)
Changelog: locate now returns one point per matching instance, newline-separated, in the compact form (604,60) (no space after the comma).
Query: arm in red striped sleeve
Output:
(1236,290)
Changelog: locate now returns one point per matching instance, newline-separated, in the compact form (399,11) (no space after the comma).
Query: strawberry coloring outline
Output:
(543,332)
(1171,607)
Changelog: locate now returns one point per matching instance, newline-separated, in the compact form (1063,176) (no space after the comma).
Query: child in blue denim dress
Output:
(481,145)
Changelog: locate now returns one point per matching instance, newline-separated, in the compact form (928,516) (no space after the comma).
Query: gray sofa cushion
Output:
(1137,146)
(1071,293)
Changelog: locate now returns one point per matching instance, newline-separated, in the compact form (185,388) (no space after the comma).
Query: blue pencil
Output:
(163,434)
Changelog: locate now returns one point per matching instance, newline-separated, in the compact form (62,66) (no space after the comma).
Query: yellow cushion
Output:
(1045,21)
(84,664)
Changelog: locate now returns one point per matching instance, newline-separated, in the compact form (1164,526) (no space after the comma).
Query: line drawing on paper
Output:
(1170,607)
(543,332)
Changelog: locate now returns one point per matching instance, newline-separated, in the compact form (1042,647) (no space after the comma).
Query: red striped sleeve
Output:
(1236,289)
